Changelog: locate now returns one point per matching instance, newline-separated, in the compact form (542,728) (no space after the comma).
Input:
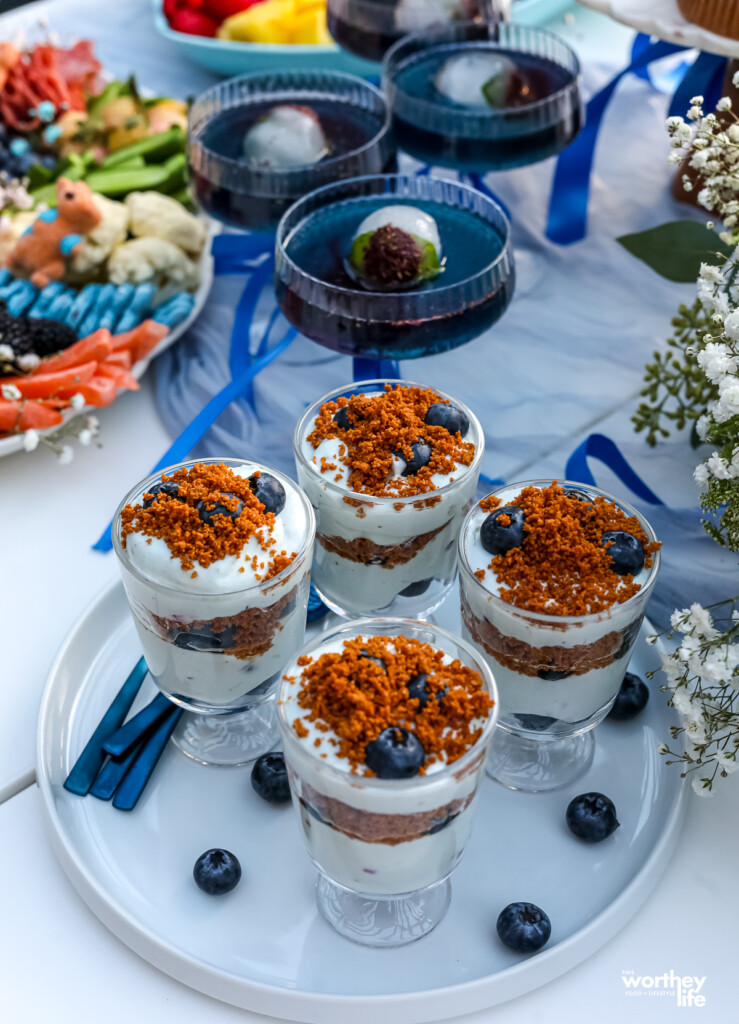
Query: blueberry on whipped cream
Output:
(396,248)
(286,136)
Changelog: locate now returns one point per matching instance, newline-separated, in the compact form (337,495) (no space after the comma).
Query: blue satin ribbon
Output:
(568,204)
(598,446)
(703,78)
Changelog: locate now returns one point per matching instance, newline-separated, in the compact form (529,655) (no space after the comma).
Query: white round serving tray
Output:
(264,947)
(14,442)
(663,18)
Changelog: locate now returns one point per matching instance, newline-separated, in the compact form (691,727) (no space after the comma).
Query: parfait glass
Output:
(322,300)
(384,848)
(354,118)
(536,116)
(557,675)
(385,555)
(219,653)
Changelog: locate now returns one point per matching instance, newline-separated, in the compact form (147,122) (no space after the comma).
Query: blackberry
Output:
(49,336)
(13,331)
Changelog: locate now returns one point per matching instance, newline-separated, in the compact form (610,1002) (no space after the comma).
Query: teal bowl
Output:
(229,58)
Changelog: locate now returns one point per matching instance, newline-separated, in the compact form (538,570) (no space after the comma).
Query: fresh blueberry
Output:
(631,698)
(553,674)
(217,872)
(626,551)
(417,690)
(592,817)
(415,589)
(269,491)
(206,512)
(204,639)
(380,662)
(447,416)
(169,488)
(578,495)
(523,927)
(421,457)
(497,537)
(535,723)
(395,754)
(440,823)
(341,418)
(269,778)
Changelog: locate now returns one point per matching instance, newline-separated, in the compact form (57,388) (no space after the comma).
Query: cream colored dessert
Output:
(390,486)
(216,563)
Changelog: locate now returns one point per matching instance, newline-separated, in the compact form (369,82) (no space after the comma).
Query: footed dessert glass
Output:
(537,114)
(384,848)
(354,119)
(557,675)
(217,649)
(324,302)
(389,555)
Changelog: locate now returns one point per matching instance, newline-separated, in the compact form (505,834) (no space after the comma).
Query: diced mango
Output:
(279,21)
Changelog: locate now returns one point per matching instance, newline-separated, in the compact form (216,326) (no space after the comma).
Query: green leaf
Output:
(675,250)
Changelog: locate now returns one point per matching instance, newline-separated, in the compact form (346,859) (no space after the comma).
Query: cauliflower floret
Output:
(154,215)
(154,260)
(98,244)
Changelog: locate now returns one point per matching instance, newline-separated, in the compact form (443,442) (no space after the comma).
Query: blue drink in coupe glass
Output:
(394,267)
(368,28)
(480,97)
(259,142)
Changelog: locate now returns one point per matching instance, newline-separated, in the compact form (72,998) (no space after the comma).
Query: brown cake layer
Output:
(719,16)
(390,829)
(551,661)
(367,552)
(245,635)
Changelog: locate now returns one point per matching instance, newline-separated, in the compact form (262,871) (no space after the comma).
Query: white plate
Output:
(663,18)
(264,947)
(14,442)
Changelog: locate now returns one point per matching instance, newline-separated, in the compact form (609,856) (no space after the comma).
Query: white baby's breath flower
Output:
(681,701)
(695,730)
(718,467)
(724,103)
(675,158)
(6,352)
(702,425)
(701,474)
(30,440)
(29,361)
(10,392)
(710,273)
(77,401)
(65,455)
(728,761)
(662,748)
(701,787)
(731,325)
(651,639)
(85,437)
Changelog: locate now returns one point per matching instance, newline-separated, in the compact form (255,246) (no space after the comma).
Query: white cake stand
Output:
(662,18)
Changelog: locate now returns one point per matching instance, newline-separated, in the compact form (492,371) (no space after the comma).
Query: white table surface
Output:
(57,962)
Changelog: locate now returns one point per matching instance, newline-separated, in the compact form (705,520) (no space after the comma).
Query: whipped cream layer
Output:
(218,590)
